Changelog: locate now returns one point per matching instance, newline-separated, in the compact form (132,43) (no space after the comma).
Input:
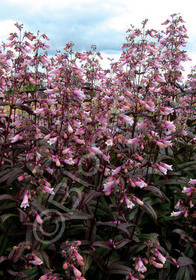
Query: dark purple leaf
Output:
(183,261)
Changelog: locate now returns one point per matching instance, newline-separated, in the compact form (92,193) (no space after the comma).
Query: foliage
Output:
(97,166)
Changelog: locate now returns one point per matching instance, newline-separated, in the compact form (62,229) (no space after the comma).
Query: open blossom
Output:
(52,140)
(129,203)
(169,125)
(108,187)
(126,119)
(140,183)
(160,256)
(48,190)
(163,143)
(131,141)
(25,202)
(106,157)
(140,267)
(36,261)
(188,190)
(116,170)
(142,124)
(176,214)
(166,110)
(69,161)
(95,150)
(160,79)
(192,181)
(109,142)
(16,137)
(80,94)
(39,110)
(163,167)
(67,151)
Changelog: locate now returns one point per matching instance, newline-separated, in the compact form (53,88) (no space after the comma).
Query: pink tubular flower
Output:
(131,141)
(38,218)
(57,161)
(129,203)
(169,125)
(80,94)
(48,190)
(52,140)
(192,181)
(117,170)
(16,137)
(95,150)
(78,257)
(140,267)
(188,190)
(140,202)
(69,128)
(76,272)
(160,79)
(108,187)
(163,143)
(157,265)
(69,161)
(167,166)
(160,256)
(142,124)
(36,261)
(25,202)
(177,206)
(67,150)
(126,119)
(48,136)
(20,178)
(132,277)
(166,110)
(163,167)
(106,157)
(176,214)
(140,183)
(191,203)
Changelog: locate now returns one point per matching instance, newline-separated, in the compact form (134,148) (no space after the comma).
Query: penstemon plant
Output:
(97,167)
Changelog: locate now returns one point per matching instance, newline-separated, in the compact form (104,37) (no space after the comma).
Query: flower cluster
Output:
(124,139)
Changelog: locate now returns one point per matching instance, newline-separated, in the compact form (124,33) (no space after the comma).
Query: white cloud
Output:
(86,22)
(6,27)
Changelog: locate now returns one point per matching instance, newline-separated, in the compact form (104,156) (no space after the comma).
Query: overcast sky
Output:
(100,22)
